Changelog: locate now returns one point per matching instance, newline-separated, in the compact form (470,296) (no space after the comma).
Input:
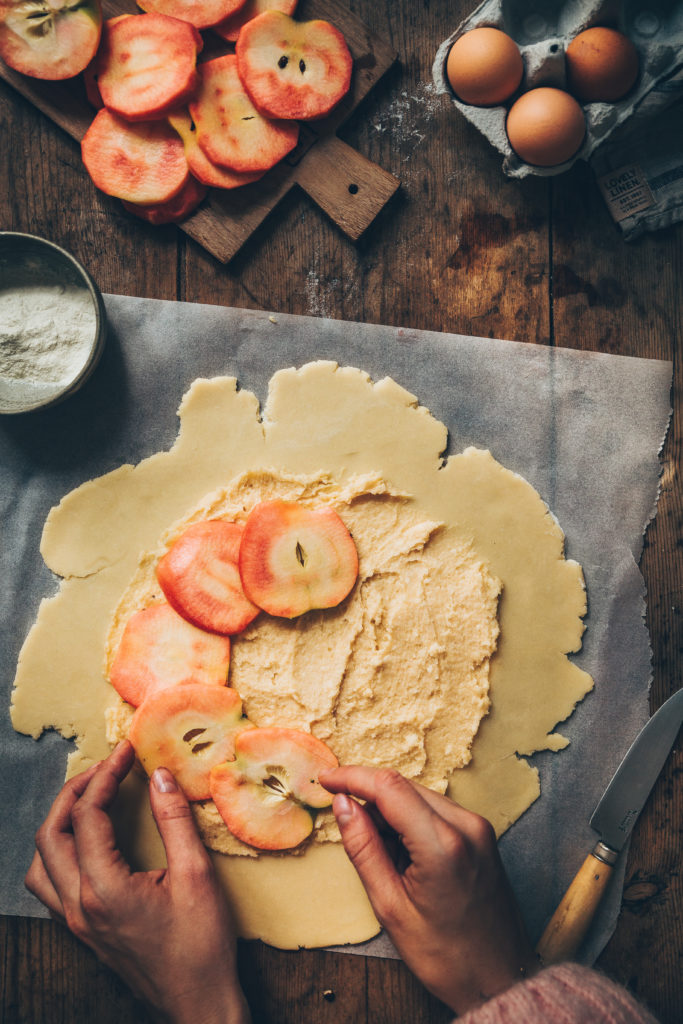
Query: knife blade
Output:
(613,819)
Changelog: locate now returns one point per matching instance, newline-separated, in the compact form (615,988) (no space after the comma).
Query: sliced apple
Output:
(200,577)
(188,729)
(267,796)
(50,39)
(92,90)
(91,73)
(200,13)
(293,559)
(147,65)
(159,649)
(173,211)
(230,130)
(298,69)
(142,163)
(229,28)
(200,166)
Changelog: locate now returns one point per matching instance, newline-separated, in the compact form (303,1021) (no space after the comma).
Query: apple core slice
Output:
(142,163)
(230,130)
(298,69)
(200,577)
(159,649)
(293,559)
(50,39)
(267,796)
(188,729)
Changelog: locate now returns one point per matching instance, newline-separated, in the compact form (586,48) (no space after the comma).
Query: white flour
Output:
(409,117)
(46,332)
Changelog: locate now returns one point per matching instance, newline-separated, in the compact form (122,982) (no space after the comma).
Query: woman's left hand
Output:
(167,933)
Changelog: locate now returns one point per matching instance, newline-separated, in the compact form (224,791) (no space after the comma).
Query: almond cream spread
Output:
(398,674)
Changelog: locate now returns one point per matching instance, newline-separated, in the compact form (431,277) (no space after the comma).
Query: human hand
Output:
(435,880)
(167,933)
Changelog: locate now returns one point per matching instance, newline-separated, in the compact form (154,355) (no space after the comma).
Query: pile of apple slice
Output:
(173,659)
(168,127)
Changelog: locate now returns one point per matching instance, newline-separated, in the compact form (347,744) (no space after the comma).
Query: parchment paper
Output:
(584,428)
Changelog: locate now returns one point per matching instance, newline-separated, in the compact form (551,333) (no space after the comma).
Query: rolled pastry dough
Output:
(336,420)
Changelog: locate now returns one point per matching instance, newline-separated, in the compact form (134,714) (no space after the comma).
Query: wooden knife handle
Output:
(568,926)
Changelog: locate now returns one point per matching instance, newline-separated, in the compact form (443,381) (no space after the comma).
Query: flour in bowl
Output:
(46,333)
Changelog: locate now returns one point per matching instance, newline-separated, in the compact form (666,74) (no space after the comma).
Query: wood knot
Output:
(642,891)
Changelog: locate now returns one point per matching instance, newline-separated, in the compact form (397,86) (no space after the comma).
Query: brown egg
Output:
(546,127)
(602,65)
(484,67)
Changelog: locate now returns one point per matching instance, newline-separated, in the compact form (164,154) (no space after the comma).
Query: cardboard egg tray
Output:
(543,30)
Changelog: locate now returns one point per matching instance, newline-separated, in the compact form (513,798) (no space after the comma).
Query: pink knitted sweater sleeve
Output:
(564,994)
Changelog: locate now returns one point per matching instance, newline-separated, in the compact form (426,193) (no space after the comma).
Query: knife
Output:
(613,819)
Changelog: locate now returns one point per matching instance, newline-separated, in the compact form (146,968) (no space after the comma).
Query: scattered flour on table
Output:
(319,293)
(408,116)
(46,332)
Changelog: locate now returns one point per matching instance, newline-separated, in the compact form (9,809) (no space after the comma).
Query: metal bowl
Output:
(52,323)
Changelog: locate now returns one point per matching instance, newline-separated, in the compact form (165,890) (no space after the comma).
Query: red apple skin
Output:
(159,649)
(173,211)
(294,559)
(267,795)
(52,42)
(188,729)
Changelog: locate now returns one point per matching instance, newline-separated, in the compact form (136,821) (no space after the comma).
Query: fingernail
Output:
(343,808)
(163,781)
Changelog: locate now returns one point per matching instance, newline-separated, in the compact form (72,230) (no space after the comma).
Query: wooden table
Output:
(459,248)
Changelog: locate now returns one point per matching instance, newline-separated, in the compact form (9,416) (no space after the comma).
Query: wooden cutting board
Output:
(347,186)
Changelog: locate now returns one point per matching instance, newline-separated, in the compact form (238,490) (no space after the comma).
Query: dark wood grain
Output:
(457,248)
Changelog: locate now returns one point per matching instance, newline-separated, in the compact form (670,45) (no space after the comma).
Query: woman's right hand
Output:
(435,880)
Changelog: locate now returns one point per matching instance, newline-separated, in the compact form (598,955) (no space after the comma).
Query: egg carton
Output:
(543,30)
